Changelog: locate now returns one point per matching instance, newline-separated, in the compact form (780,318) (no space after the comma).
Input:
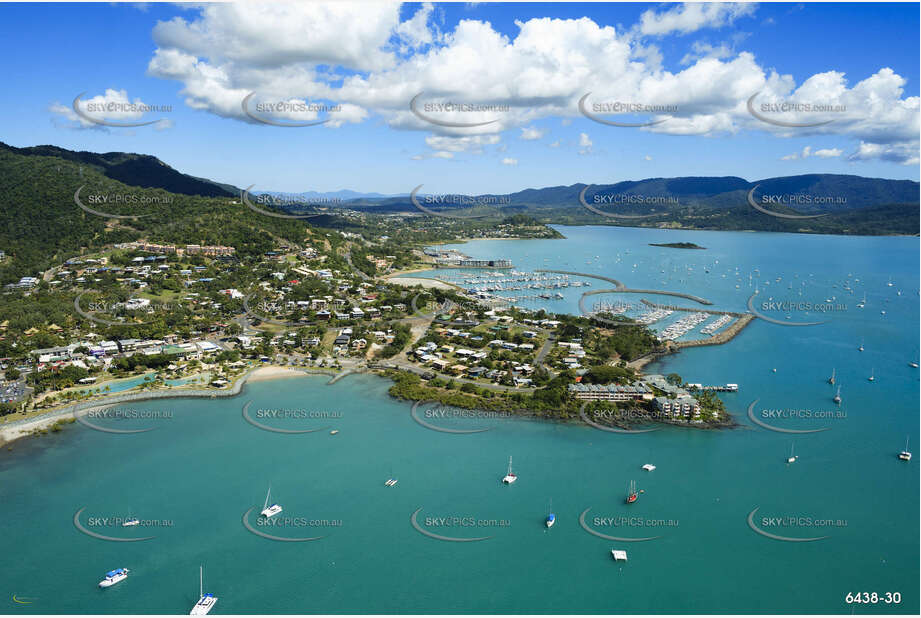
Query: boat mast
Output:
(267,494)
(509,465)
(201,587)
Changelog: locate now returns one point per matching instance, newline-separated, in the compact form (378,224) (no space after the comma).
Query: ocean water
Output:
(204,466)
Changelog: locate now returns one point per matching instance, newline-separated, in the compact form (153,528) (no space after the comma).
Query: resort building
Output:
(611,392)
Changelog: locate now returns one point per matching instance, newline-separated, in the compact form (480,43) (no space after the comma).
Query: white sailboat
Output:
(871,378)
(837,398)
(510,477)
(831,380)
(206,601)
(270,511)
(860,348)
(906,454)
(792,457)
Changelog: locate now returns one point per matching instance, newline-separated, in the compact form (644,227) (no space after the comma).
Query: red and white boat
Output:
(631,493)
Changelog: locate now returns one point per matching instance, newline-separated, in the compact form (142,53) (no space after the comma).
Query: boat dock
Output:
(725,388)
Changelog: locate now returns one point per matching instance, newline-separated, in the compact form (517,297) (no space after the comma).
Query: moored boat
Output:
(113,577)
(206,600)
(510,477)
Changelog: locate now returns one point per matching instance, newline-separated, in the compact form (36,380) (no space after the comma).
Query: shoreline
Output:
(24,428)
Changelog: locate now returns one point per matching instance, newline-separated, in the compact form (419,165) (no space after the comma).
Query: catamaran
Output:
(831,380)
(904,455)
(113,577)
(837,398)
(206,601)
(631,493)
(269,511)
(510,477)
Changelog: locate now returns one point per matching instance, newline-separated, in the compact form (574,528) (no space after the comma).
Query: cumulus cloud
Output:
(113,106)
(530,133)
(585,144)
(690,17)
(509,161)
(500,82)
(807,151)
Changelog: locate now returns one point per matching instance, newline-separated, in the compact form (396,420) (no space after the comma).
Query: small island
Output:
(677,245)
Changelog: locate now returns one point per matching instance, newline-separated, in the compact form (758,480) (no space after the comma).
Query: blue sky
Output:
(537,59)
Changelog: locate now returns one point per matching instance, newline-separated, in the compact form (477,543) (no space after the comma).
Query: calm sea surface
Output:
(203,466)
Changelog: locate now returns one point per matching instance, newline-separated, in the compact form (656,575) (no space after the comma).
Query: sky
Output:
(370,81)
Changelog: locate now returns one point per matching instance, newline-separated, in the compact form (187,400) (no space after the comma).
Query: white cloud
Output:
(647,158)
(555,144)
(530,133)
(827,153)
(896,153)
(690,17)
(114,106)
(298,52)
(509,161)
(473,144)
(807,151)
(585,144)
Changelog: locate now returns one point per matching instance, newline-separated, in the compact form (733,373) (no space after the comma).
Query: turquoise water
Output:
(204,466)
(118,386)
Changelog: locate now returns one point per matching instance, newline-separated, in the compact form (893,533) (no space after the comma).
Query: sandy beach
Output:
(23,428)
(426,283)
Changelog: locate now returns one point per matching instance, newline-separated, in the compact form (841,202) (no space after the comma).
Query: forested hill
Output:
(41,223)
(132,169)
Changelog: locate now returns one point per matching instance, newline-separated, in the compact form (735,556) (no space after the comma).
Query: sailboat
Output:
(837,398)
(206,601)
(792,457)
(871,378)
(510,477)
(551,518)
(890,282)
(860,348)
(913,364)
(631,493)
(270,511)
(906,454)
(831,380)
